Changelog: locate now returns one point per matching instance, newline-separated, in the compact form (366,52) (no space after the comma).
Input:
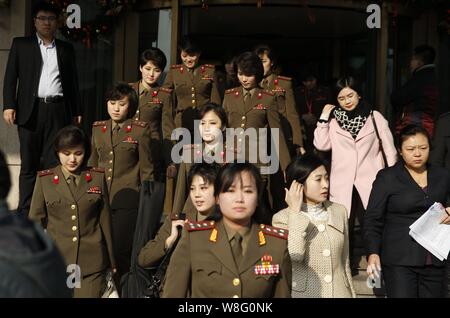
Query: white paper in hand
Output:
(428,232)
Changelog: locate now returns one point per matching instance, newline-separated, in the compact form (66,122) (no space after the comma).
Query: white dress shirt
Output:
(50,81)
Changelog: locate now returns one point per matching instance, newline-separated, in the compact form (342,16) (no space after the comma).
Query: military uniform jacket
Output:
(127,162)
(203,264)
(155,108)
(281,86)
(192,89)
(259,112)
(151,254)
(79,224)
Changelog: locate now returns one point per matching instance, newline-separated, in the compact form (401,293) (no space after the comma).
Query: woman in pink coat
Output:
(356,155)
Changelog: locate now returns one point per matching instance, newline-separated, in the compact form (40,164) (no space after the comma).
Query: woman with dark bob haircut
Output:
(231,254)
(71,202)
(253,109)
(318,233)
(400,196)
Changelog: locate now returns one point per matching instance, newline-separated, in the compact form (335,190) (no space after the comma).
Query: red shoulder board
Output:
(268,93)
(275,231)
(45,173)
(231,90)
(285,78)
(139,123)
(99,123)
(200,226)
(209,66)
(97,169)
(165,90)
(175,66)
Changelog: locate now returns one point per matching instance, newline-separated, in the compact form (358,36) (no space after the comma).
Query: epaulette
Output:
(45,173)
(175,66)
(268,93)
(284,78)
(99,123)
(275,231)
(97,169)
(139,123)
(231,90)
(209,66)
(165,90)
(200,226)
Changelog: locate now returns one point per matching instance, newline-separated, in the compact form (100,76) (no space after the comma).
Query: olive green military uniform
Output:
(259,111)
(127,160)
(281,86)
(154,250)
(204,264)
(79,222)
(155,108)
(192,89)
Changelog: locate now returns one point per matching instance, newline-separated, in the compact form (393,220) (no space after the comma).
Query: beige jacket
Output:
(319,251)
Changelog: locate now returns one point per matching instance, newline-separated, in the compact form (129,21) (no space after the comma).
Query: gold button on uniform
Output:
(74,239)
(111,153)
(235,296)
(236,282)
(243,117)
(242,125)
(109,169)
(110,161)
(193,95)
(74,228)
(109,178)
(193,101)
(73,206)
(192,88)
(74,217)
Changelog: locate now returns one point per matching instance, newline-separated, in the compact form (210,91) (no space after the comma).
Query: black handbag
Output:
(379,140)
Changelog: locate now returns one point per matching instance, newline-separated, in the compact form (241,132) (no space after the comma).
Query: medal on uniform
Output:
(260,107)
(154,93)
(88,177)
(94,189)
(202,69)
(236,94)
(55,179)
(275,81)
(259,95)
(262,238)
(266,267)
(213,236)
(181,69)
(128,128)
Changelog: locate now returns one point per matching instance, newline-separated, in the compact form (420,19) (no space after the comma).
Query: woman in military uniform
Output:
(122,146)
(250,106)
(71,202)
(155,107)
(193,85)
(232,254)
(281,86)
(201,180)
(213,121)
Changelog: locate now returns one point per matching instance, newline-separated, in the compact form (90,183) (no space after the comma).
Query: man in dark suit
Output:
(46,98)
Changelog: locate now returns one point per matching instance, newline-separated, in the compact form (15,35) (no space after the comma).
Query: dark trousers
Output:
(355,224)
(414,281)
(36,139)
(123,226)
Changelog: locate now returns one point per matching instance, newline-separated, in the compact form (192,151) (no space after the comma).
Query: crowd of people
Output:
(228,227)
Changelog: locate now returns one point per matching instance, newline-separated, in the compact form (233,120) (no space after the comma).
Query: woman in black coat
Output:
(400,195)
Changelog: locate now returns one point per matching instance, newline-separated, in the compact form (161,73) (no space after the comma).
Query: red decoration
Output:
(128,128)
(104,129)
(236,94)
(181,69)
(154,93)
(202,68)
(88,177)
(55,179)
(259,95)
(275,81)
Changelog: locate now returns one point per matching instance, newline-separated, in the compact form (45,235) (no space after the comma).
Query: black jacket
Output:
(25,65)
(396,202)
(440,155)
(30,264)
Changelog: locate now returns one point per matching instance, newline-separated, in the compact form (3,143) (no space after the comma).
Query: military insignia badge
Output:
(130,140)
(95,190)
(266,267)
(260,107)
(55,179)
(88,177)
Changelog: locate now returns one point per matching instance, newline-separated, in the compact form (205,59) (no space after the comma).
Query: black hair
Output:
(225,179)
(425,53)
(154,55)
(46,7)
(208,172)
(5,178)
(189,46)
(119,91)
(411,130)
(216,109)
(266,49)
(347,81)
(71,137)
(250,65)
(301,167)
